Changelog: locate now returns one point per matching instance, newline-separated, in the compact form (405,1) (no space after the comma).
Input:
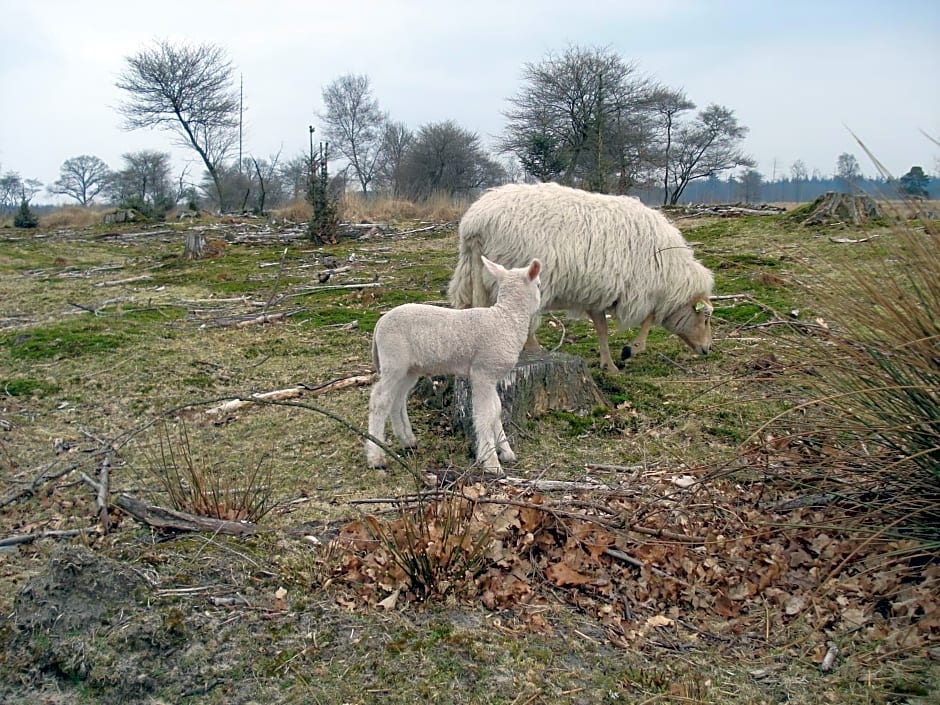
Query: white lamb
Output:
(601,254)
(482,344)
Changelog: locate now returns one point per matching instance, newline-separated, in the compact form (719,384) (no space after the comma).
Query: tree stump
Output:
(834,207)
(195,247)
(539,382)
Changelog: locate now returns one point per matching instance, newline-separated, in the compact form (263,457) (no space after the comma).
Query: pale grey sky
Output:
(796,73)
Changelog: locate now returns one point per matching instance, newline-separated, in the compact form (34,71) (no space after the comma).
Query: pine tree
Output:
(24,217)
(324,224)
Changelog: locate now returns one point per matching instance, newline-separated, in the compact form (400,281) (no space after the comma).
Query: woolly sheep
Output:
(482,344)
(600,253)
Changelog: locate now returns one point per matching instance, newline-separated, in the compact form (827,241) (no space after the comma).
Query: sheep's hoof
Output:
(626,353)
(506,456)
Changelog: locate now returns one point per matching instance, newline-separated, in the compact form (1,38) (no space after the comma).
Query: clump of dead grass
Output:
(871,379)
(196,484)
(71,217)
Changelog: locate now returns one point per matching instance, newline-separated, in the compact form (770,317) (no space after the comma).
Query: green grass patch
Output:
(70,339)
(27,386)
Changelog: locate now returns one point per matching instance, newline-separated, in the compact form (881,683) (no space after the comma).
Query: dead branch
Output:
(129,280)
(553,485)
(175,520)
(291,393)
(18,539)
(316,289)
(667,535)
(37,482)
(418,230)
(102,491)
(851,241)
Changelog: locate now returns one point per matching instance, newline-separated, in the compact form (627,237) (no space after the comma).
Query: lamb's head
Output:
(521,285)
(692,323)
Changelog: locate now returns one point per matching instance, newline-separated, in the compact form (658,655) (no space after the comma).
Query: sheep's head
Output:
(523,277)
(692,323)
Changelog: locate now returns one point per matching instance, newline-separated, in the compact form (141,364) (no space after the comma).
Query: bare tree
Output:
(187,90)
(396,140)
(10,187)
(144,183)
(571,117)
(449,159)
(847,170)
(709,146)
(799,175)
(353,124)
(82,178)
(668,104)
(295,176)
(269,186)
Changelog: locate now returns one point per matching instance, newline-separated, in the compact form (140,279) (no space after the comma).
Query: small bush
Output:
(438,544)
(198,486)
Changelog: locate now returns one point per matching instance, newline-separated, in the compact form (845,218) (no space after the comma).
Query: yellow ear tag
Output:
(699,306)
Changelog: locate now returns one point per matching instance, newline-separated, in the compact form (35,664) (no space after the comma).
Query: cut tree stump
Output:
(850,209)
(539,382)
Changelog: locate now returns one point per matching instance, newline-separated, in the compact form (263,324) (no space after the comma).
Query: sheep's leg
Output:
(639,343)
(532,343)
(401,424)
(487,410)
(380,403)
(600,325)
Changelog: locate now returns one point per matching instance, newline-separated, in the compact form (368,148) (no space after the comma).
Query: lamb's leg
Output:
(487,423)
(401,424)
(639,343)
(600,325)
(380,403)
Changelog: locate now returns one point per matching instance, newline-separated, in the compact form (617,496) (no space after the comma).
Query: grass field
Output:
(113,350)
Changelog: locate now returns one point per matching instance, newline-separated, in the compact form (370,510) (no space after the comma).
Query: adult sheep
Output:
(600,253)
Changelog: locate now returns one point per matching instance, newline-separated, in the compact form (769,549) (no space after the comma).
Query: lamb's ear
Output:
(497,270)
(534,268)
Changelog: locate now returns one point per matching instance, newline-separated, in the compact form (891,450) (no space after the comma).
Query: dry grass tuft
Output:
(71,217)
(196,485)
(873,383)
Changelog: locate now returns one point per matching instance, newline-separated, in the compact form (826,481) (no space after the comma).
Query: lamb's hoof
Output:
(409,445)
(506,456)
(626,353)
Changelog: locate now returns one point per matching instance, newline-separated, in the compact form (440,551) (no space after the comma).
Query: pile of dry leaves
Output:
(680,559)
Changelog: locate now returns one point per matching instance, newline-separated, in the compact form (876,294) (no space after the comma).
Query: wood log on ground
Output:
(539,382)
(834,207)
(175,520)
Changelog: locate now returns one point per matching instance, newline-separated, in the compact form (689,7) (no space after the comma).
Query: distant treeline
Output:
(735,190)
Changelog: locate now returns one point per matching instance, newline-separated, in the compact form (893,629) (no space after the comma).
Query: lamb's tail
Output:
(466,286)
(375,356)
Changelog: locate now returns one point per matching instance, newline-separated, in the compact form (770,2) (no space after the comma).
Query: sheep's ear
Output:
(534,268)
(497,270)
(703,306)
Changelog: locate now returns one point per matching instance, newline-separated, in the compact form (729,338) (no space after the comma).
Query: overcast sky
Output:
(796,73)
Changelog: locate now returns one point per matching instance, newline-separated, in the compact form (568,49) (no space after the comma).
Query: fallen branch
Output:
(851,241)
(291,393)
(18,539)
(38,482)
(315,289)
(421,230)
(129,280)
(175,520)
(101,488)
